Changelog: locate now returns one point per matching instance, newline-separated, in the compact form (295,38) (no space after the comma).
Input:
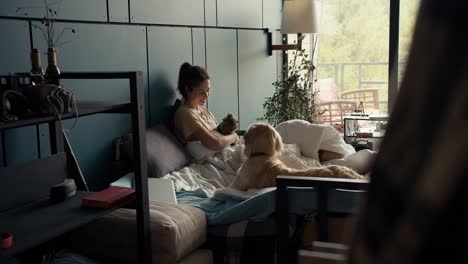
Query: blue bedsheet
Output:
(229,210)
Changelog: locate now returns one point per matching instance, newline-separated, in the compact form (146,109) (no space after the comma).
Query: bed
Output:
(241,227)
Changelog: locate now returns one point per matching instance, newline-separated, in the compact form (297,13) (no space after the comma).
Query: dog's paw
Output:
(344,172)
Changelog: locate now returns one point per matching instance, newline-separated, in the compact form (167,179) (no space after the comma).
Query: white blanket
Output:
(214,170)
(219,169)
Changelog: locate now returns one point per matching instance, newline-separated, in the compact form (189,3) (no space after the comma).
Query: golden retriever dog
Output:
(262,146)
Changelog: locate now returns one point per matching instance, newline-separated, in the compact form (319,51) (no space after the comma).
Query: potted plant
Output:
(294,96)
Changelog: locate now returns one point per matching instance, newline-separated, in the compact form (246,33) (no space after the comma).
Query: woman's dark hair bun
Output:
(189,77)
(185,67)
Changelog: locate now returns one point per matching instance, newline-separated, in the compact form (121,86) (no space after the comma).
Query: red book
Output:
(107,197)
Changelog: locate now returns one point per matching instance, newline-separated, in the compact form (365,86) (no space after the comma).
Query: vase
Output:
(52,72)
(37,73)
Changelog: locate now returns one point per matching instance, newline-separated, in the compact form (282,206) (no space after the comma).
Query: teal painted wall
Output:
(153,36)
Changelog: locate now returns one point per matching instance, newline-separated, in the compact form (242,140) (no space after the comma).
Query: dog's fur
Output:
(262,146)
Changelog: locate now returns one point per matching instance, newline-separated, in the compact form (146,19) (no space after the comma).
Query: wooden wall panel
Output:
(257,72)
(221,46)
(21,143)
(180,12)
(240,13)
(15,44)
(272,14)
(118,11)
(168,48)
(98,48)
(89,10)
(198,40)
(211,18)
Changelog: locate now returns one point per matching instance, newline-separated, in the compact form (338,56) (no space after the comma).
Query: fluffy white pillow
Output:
(198,151)
(308,136)
(334,142)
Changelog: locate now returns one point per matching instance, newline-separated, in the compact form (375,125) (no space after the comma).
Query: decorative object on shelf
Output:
(47,26)
(63,191)
(13,104)
(52,72)
(360,108)
(49,99)
(37,73)
(294,97)
(51,36)
(19,98)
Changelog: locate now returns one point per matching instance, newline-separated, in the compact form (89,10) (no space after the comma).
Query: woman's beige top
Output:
(188,120)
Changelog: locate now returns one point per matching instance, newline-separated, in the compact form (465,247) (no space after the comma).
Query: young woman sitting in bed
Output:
(192,121)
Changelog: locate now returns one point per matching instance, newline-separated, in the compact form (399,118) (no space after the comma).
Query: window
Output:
(353,50)
(352,55)
(408,13)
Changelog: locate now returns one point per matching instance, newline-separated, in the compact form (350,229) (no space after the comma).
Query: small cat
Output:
(228,125)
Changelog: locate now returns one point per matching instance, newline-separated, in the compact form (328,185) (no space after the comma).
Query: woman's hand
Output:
(213,140)
(236,138)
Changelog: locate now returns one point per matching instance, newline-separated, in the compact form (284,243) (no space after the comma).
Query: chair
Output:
(334,111)
(369,97)
(333,105)
(329,104)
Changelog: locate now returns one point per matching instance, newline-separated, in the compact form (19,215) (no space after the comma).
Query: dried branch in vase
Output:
(47,27)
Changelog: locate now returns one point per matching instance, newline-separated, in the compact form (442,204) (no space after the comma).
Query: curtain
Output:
(417,203)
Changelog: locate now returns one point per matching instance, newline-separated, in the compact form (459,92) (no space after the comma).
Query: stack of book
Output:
(108,197)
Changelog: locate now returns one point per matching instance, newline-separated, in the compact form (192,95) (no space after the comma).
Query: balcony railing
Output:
(342,71)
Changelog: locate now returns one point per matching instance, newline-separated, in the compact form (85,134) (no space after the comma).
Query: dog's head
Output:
(262,139)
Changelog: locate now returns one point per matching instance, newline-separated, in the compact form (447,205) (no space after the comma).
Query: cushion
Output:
(176,230)
(308,136)
(164,152)
(332,141)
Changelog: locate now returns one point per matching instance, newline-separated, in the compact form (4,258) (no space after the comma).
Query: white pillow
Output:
(198,151)
(334,142)
(308,136)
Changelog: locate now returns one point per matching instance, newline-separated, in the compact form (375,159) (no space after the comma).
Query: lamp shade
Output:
(299,16)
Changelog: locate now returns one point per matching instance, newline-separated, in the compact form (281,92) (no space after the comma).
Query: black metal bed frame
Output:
(323,186)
